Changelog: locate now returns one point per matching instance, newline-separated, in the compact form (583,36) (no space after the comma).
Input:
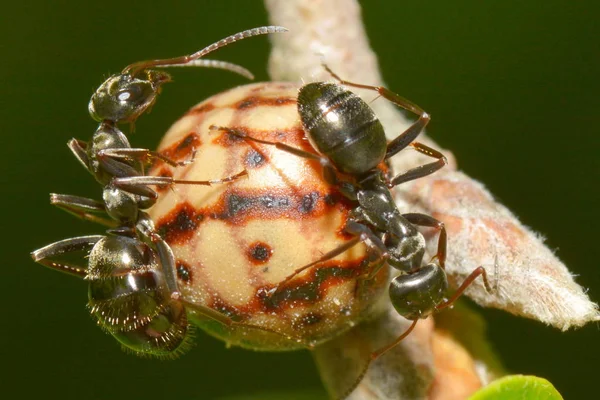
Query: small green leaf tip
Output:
(518,387)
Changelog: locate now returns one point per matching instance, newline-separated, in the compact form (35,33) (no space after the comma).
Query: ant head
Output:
(124,97)
(416,294)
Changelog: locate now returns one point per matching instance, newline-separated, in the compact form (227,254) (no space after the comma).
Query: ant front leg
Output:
(362,235)
(139,184)
(144,156)
(421,170)
(467,282)
(328,171)
(429,221)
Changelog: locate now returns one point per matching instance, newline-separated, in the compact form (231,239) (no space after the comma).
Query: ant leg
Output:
(79,149)
(327,256)
(374,356)
(227,321)
(362,234)
(84,208)
(329,173)
(386,93)
(139,184)
(281,146)
(421,170)
(476,272)
(50,255)
(429,221)
(145,227)
(408,136)
(142,155)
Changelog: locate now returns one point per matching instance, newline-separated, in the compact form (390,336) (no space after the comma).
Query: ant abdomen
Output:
(416,295)
(128,296)
(342,127)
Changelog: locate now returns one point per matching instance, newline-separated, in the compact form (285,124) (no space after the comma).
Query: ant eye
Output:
(133,93)
(124,95)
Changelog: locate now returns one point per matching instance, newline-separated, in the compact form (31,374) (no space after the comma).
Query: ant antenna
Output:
(231,67)
(135,68)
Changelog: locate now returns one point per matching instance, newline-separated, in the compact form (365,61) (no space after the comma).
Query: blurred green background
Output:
(513,90)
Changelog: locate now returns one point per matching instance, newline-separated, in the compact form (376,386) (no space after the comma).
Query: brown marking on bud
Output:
(202,108)
(238,206)
(311,287)
(184,148)
(257,101)
(164,172)
(226,139)
(221,306)
(179,225)
(259,253)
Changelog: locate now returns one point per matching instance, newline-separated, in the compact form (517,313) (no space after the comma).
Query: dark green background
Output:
(513,91)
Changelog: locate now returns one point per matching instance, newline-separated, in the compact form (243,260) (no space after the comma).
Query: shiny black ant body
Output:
(133,289)
(351,144)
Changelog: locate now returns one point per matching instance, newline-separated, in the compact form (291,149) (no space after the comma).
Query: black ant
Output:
(351,142)
(133,287)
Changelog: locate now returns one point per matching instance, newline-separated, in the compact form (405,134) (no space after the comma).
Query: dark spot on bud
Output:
(237,204)
(260,253)
(254,159)
(309,202)
(179,224)
(183,271)
(269,201)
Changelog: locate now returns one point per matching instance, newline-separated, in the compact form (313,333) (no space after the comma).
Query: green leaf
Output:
(518,387)
(296,395)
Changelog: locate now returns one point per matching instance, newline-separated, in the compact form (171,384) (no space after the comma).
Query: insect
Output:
(134,291)
(351,144)
(235,243)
